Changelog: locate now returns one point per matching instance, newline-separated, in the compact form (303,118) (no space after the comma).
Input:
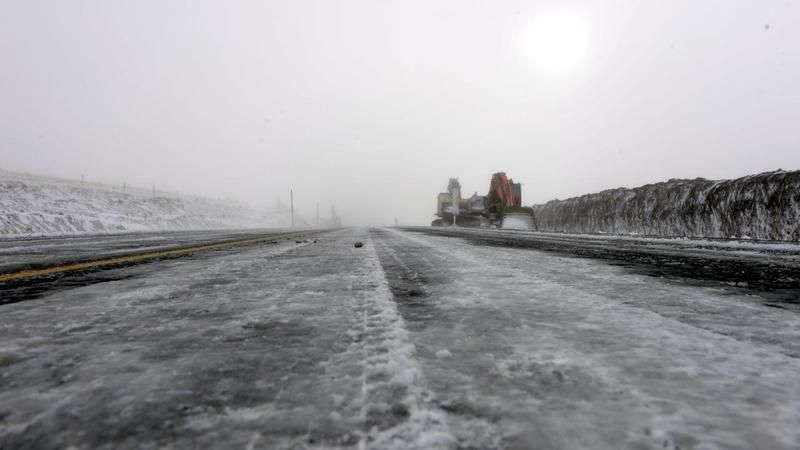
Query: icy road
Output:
(420,339)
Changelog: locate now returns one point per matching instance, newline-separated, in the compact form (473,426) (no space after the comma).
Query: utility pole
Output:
(291,202)
(83,182)
(317,213)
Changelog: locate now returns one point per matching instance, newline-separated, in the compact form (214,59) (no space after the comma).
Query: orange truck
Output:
(500,208)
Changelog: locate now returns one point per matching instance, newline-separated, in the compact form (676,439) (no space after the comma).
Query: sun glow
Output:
(557,41)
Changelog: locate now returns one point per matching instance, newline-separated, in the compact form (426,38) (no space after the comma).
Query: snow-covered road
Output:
(413,341)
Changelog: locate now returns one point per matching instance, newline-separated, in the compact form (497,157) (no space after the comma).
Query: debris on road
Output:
(359,244)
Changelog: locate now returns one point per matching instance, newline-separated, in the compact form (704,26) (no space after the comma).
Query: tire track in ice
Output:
(398,410)
(415,282)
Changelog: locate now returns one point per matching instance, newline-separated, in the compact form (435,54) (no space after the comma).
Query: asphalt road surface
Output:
(421,339)
(34,252)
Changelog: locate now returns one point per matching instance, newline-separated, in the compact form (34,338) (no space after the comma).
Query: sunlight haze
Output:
(372,106)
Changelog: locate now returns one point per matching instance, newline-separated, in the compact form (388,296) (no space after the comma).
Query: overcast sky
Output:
(373,105)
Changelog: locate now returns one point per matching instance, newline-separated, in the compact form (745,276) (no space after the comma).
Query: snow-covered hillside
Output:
(34,205)
(763,206)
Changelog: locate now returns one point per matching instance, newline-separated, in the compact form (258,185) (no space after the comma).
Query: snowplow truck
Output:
(500,208)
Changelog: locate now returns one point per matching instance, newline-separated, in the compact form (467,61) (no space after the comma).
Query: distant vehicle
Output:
(500,208)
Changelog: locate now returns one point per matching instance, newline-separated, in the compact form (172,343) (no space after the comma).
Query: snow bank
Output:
(34,205)
(763,206)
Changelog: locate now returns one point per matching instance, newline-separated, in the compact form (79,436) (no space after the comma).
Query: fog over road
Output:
(421,339)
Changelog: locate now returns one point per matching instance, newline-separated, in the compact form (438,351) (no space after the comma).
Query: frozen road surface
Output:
(420,339)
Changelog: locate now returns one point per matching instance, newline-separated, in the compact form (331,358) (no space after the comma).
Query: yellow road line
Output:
(138,258)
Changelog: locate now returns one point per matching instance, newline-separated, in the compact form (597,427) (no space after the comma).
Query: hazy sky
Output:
(373,105)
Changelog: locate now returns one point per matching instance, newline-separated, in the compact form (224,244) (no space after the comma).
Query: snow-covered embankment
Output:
(763,206)
(34,205)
